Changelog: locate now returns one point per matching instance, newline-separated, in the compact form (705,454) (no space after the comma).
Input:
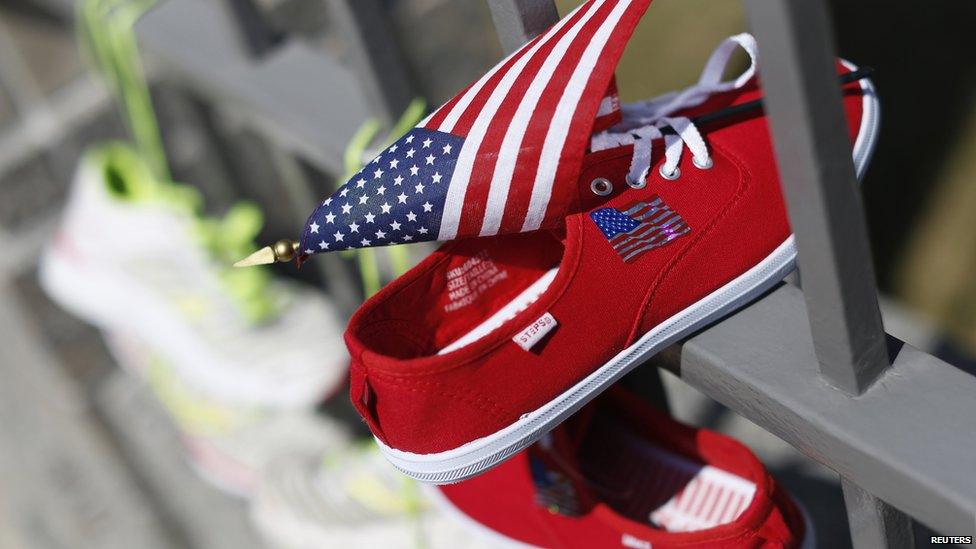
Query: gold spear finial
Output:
(280,252)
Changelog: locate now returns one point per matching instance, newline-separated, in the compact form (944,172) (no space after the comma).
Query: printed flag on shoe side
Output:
(641,227)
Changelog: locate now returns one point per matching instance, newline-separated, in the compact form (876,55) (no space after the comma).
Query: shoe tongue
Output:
(608,115)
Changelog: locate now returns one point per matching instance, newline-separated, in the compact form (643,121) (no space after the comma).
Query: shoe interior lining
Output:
(505,313)
(650,484)
(469,292)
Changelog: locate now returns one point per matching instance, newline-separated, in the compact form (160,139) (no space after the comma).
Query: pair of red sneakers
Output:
(585,236)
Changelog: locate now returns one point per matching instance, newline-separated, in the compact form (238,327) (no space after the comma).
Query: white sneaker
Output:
(350,499)
(229,446)
(133,256)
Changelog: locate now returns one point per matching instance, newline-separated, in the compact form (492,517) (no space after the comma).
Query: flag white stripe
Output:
(606,106)
(462,104)
(645,229)
(423,123)
(657,239)
(512,143)
(675,224)
(652,223)
(454,201)
(563,118)
(653,245)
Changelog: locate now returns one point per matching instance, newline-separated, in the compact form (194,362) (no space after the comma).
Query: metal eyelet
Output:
(601,186)
(708,163)
(669,176)
(639,184)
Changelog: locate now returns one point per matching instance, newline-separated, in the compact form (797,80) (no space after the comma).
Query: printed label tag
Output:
(467,282)
(533,333)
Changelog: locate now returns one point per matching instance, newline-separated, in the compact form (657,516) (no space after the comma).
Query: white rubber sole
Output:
(479,455)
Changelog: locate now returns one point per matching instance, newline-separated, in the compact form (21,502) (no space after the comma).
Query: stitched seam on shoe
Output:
(663,273)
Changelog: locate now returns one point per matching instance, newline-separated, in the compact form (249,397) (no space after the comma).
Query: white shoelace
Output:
(646,121)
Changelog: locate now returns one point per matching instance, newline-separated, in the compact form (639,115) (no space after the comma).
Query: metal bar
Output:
(376,57)
(518,21)
(75,105)
(909,439)
(813,153)
(255,31)
(16,78)
(875,524)
(297,95)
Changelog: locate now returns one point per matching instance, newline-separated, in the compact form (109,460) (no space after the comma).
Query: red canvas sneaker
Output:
(492,342)
(622,474)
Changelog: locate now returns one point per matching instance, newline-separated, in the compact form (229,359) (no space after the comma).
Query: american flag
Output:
(641,227)
(503,155)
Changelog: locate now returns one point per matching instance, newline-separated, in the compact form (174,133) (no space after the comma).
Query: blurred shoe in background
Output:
(619,473)
(350,498)
(134,255)
(226,445)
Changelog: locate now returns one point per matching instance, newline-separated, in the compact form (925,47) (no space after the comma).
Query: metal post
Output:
(518,21)
(257,34)
(873,522)
(376,56)
(814,157)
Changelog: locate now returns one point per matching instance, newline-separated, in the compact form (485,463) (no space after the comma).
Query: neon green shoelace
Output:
(106,29)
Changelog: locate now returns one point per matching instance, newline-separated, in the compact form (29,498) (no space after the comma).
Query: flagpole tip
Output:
(279,252)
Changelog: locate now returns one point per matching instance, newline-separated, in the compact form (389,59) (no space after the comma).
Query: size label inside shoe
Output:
(468,281)
(533,333)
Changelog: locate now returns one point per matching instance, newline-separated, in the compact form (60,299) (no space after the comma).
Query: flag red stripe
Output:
(470,114)
(722,495)
(460,179)
(564,187)
(476,197)
(705,499)
(527,164)
(438,116)
(490,81)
